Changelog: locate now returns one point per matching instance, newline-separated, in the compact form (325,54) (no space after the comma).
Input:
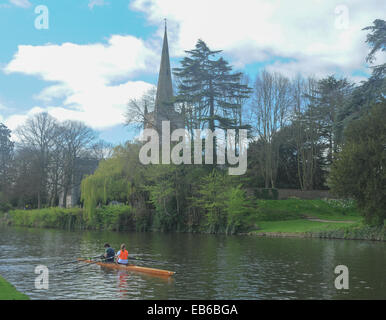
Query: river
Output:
(207,266)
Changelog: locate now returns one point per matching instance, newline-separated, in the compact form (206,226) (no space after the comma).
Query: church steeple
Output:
(164,106)
(163,102)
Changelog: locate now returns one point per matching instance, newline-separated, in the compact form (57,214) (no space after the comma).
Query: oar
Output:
(87,264)
(74,261)
(149,260)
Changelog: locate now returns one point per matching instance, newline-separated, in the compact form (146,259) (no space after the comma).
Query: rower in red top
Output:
(123,255)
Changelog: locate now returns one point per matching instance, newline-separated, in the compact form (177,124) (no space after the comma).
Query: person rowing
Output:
(123,255)
(109,253)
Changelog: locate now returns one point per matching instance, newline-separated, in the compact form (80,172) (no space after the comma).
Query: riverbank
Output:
(329,219)
(332,219)
(308,229)
(9,292)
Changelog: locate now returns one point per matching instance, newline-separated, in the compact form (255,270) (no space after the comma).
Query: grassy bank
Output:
(291,217)
(293,209)
(332,219)
(9,292)
(327,230)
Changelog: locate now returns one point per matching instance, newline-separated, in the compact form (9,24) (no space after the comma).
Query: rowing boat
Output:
(131,267)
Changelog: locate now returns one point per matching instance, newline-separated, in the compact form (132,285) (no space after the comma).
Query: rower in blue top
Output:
(109,253)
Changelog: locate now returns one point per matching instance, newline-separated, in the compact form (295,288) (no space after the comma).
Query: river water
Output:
(207,266)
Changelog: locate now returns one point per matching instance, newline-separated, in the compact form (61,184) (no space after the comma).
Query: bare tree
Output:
(270,112)
(306,130)
(101,150)
(138,109)
(77,138)
(38,134)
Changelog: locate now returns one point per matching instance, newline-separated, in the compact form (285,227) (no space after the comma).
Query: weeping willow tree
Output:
(116,179)
(165,197)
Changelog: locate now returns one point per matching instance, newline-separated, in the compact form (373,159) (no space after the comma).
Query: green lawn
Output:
(292,209)
(9,292)
(299,226)
(290,215)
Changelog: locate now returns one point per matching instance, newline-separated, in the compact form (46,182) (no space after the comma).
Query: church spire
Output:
(163,102)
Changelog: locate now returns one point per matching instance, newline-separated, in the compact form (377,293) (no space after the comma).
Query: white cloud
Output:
(2,108)
(21,3)
(92,82)
(307,32)
(93,3)
(15,120)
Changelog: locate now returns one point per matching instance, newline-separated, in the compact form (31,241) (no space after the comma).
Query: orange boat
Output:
(131,267)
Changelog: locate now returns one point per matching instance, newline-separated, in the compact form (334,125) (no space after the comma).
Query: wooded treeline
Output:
(41,168)
(305,133)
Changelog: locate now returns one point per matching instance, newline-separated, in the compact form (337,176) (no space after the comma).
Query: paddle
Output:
(87,264)
(149,260)
(74,261)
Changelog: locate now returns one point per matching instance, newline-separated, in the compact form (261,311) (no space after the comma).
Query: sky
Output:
(85,59)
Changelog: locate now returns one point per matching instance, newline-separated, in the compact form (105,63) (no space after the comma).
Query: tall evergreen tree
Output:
(373,89)
(330,98)
(360,169)
(209,85)
(376,39)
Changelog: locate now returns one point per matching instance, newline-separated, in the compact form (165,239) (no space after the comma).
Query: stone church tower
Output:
(164,106)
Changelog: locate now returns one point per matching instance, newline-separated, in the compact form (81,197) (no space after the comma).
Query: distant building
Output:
(83,167)
(164,106)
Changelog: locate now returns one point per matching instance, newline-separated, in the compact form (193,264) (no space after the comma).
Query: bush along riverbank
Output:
(9,292)
(113,218)
(332,219)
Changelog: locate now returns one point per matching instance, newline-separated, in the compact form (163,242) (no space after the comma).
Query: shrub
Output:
(5,206)
(113,217)
(275,194)
(237,208)
(47,218)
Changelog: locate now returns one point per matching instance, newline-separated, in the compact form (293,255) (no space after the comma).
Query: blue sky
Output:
(98,54)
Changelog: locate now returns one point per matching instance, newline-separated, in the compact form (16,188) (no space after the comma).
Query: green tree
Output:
(376,39)
(373,89)
(238,208)
(120,178)
(360,169)
(6,153)
(329,99)
(166,185)
(211,199)
(209,85)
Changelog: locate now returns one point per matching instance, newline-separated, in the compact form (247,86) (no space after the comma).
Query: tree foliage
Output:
(6,155)
(360,169)
(209,86)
